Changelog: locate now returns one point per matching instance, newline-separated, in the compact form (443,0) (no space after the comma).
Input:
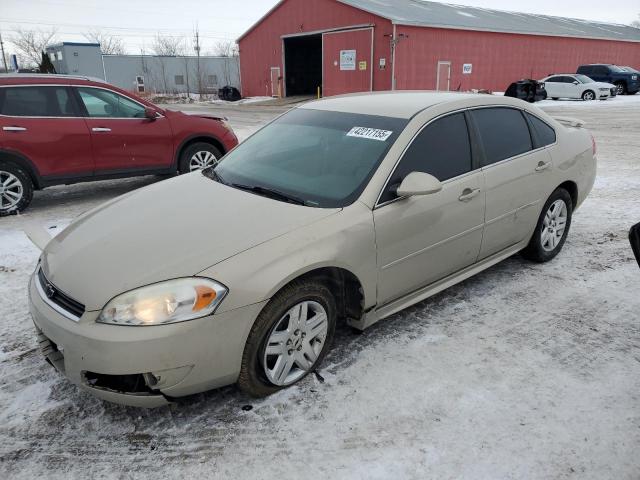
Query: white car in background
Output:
(566,85)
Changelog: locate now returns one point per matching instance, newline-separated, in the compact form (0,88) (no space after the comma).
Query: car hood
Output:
(604,85)
(211,116)
(171,229)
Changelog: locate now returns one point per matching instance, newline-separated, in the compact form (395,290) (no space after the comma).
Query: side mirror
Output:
(634,239)
(576,82)
(418,183)
(150,113)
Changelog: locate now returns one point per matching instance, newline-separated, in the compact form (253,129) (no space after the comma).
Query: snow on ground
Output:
(524,371)
(243,101)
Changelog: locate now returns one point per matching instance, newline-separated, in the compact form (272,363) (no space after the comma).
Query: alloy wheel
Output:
(553,225)
(588,95)
(202,159)
(11,190)
(295,343)
(619,89)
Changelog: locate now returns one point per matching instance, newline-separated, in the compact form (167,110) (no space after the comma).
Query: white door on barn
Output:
(443,78)
(275,82)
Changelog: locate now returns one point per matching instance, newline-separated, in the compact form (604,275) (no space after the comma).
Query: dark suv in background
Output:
(57,129)
(626,82)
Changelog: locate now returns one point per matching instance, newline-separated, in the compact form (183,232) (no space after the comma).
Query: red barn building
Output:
(346,46)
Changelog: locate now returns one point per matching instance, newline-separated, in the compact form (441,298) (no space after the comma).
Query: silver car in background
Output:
(348,209)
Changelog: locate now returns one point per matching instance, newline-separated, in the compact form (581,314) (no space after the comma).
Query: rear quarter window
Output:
(543,134)
(504,133)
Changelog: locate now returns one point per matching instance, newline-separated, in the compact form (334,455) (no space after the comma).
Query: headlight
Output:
(166,302)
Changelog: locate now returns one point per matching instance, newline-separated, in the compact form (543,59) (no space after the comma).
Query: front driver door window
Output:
(422,239)
(105,104)
(123,138)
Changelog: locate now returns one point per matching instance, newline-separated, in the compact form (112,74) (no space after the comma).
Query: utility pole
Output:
(197,49)
(4,58)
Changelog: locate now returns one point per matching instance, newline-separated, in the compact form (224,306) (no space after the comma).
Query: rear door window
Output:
(503,131)
(40,101)
(442,149)
(543,134)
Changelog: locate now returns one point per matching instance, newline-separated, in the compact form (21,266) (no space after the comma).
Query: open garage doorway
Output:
(303,64)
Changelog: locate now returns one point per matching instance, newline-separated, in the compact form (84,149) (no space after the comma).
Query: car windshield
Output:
(311,157)
(630,69)
(584,79)
(615,68)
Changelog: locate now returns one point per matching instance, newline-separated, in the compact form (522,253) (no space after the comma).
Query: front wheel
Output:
(552,228)
(198,156)
(621,88)
(289,339)
(16,189)
(588,95)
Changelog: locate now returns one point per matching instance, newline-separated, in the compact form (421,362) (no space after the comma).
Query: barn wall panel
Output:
(498,58)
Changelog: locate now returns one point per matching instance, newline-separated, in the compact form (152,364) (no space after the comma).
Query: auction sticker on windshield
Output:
(370,133)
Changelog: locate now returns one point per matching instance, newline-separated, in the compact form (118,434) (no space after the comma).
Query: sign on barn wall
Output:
(347,59)
(466,68)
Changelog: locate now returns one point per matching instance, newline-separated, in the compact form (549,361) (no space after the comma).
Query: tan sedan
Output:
(349,208)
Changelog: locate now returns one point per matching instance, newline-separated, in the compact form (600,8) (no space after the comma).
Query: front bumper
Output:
(170,360)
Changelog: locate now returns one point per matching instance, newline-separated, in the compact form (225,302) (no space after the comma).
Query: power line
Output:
(104,27)
(135,35)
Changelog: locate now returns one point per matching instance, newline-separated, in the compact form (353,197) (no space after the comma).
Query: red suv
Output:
(57,129)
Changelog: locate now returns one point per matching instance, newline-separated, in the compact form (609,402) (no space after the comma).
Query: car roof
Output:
(37,78)
(403,104)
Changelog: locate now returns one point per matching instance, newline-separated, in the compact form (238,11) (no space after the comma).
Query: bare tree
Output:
(109,44)
(168,46)
(30,44)
(227,48)
(636,23)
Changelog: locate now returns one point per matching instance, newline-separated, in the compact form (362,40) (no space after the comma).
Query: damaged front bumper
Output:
(143,366)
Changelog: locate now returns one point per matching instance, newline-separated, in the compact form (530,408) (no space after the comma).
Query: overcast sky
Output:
(137,22)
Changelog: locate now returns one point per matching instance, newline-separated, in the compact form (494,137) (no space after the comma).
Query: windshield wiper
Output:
(270,192)
(213,175)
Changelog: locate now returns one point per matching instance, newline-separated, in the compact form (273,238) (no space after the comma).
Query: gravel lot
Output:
(524,371)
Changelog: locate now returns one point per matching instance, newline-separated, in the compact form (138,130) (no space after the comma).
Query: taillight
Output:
(593,144)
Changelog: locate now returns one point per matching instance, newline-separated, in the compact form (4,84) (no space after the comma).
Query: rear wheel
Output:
(16,189)
(588,95)
(552,228)
(289,339)
(621,88)
(198,156)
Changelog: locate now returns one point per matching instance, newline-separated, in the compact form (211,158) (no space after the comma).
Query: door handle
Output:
(100,129)
(14,129)
(468,194)
(542,166)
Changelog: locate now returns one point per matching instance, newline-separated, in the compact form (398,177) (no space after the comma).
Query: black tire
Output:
(588,93)
(621,87)
(25,189)
(191,150)
(253,379)
(555,98)
(535,251)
